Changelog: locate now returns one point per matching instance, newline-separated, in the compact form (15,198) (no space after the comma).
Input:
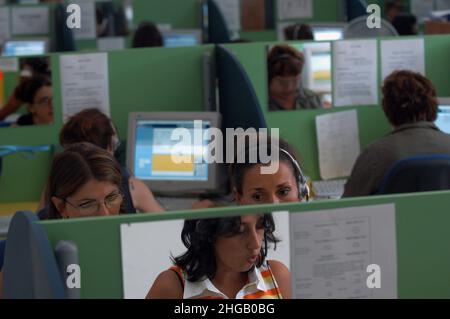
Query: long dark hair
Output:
(200,235)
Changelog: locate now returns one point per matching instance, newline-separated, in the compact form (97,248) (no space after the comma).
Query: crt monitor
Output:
(182,38)
(169,163)
(443,116)
(25,47)
(328,32)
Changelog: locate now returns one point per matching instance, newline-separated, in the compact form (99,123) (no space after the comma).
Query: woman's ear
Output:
(60,206)
(237,196)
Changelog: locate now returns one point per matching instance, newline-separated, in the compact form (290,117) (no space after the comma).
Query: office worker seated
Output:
(29,67)
(84,181)
(94,127)
(225,259)
(251,187)
(410,105)
(298,31)
(147,35)
(37,93)
(285,66)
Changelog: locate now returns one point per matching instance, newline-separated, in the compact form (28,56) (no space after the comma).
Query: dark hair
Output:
(409,97)
(74,167)
(237,170)
(404,24)
(199,237)
(393,5)
(283,60)
(147,35)
(90,125)
(298,32)
(26,91)
(38,65)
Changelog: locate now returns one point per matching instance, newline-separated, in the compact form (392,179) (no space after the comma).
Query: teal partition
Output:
(149,79)
(298,127)
(422,220)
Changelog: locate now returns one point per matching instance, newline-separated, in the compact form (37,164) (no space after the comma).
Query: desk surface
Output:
(7,209)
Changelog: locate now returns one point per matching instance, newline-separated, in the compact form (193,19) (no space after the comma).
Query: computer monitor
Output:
(25,47)
(170,164)
(328,32)
(182,37)
(443,117)
(317,69)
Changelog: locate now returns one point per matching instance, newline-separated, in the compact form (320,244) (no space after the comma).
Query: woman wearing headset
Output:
(226,257)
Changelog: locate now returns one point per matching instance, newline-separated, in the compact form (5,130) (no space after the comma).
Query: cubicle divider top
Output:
(416,237)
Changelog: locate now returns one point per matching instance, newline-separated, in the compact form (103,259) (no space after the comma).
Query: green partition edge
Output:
(423,258)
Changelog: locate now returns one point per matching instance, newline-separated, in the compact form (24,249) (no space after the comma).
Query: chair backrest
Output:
(30,269)
(418,174)
(218,29)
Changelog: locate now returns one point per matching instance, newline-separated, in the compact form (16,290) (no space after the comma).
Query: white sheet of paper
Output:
(4,25)
(84,83)
(422,8)
(30,20)
(331,249)
(146,248)
(111,43)
(88,20)
(9,64)
(355,72)
(231,10)
(406,54)
(295,9)
(338,142)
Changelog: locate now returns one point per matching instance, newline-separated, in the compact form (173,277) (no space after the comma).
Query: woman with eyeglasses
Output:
(37,93)
(285,66)
(93,126)
(84,181)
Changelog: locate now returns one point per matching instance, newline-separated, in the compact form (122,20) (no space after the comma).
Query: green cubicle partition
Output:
(423,257)
(298,127)
(149,79)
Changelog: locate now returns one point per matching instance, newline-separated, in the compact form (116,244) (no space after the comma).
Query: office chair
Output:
(418,174)
(355,9)
(64,40)
(30,269)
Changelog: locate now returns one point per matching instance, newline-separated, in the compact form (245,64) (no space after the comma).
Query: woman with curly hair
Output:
(410,105)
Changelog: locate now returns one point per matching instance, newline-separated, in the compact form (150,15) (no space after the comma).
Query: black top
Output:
(26,119)
(125,188)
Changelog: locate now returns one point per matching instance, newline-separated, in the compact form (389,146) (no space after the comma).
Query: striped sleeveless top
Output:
(261,284)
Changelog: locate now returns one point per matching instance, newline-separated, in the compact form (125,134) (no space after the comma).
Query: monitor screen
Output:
(443,118)
(181,38)
(24,47)
(154,158)
(169,151)
(328,33)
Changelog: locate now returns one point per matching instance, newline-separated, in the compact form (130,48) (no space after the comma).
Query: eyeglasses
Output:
(92,207)
(44,101)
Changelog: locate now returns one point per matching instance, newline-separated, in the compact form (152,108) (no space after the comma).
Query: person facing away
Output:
(147,35)
(298,31)
(285,65)
(37,93)
(410,105)
(225,259)
(93,126)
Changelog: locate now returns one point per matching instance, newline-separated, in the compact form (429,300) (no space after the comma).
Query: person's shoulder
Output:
(166,286)
(282,276)
(278,267)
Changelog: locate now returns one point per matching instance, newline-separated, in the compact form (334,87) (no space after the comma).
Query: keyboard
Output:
(176,203)
(329,189)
